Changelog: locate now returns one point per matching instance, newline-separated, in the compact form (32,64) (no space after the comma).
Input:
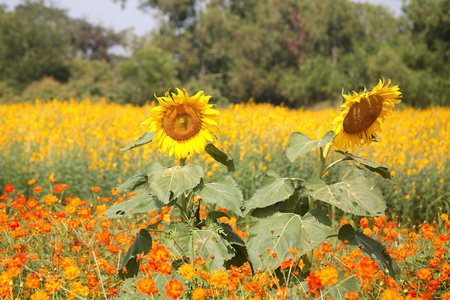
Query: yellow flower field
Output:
(79,141)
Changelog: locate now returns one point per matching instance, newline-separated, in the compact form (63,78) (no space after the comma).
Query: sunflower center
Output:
(363,114)
(182,122)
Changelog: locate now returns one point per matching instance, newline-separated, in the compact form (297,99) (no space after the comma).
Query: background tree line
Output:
(297,52)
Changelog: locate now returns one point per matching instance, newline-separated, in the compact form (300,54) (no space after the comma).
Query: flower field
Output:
(61,160)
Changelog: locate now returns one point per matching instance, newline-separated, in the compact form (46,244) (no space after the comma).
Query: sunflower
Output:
(363,115)
(182,124)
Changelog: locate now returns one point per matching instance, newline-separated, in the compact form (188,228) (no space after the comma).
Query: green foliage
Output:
(33,44)
(370,247)
(220,156)
(284,231)
(169,183)
(354,194)
(144,139)
(300,144)
(141,246)
(224,193)
(147,72)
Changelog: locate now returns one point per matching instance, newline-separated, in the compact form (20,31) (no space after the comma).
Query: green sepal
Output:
(144,139)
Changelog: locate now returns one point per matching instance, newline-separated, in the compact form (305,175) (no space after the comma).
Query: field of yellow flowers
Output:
(61,160)
(79,143)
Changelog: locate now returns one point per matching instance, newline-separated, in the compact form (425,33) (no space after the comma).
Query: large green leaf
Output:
(300,144)
(207,244)
(284,231)
(141,245)
(353,194)
(144,139)
(274,189)
(224,193)
(136,184)
(372,166)
(370,247)
(138,204)
(220,156)
(167,182)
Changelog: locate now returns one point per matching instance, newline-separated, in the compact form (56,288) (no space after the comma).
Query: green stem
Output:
(182,199)
(323,159)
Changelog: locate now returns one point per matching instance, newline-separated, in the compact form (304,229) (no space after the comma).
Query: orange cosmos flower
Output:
(31,204)
(70,209)
(50,199)
(187,271)
(174,289)
(32,281)
(366,269)
(424,274)
(40,295)
(32,181)
(198,293)
(219,278)
(71,272)
(147,286)
(364,222)
(391,294)
(328,276)
(9,188)
(95,189)
(52,284)
(38,189)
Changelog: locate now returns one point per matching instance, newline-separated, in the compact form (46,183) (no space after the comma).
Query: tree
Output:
(91,41)
(33,44)
(148,71)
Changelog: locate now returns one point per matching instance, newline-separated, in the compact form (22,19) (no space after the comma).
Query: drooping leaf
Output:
(207,244)
(137,204)
(173,181)
(284,231)
(141,245)
(353,194)
(230,236)
(144,139)
(300,144)
(372,166)
(220,156)
(273,190)
(136,184)
(370,247)
(224,193)
(345,284)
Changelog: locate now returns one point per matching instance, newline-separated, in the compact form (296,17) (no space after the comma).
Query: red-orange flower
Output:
(174,289)
(9,188)
(147,286)
(424,274)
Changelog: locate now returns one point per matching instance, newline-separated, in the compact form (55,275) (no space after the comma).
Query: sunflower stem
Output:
(183,199)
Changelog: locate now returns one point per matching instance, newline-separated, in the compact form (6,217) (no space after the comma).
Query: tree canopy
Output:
(296,52)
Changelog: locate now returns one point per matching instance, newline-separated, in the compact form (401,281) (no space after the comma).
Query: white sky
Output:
(111,15)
